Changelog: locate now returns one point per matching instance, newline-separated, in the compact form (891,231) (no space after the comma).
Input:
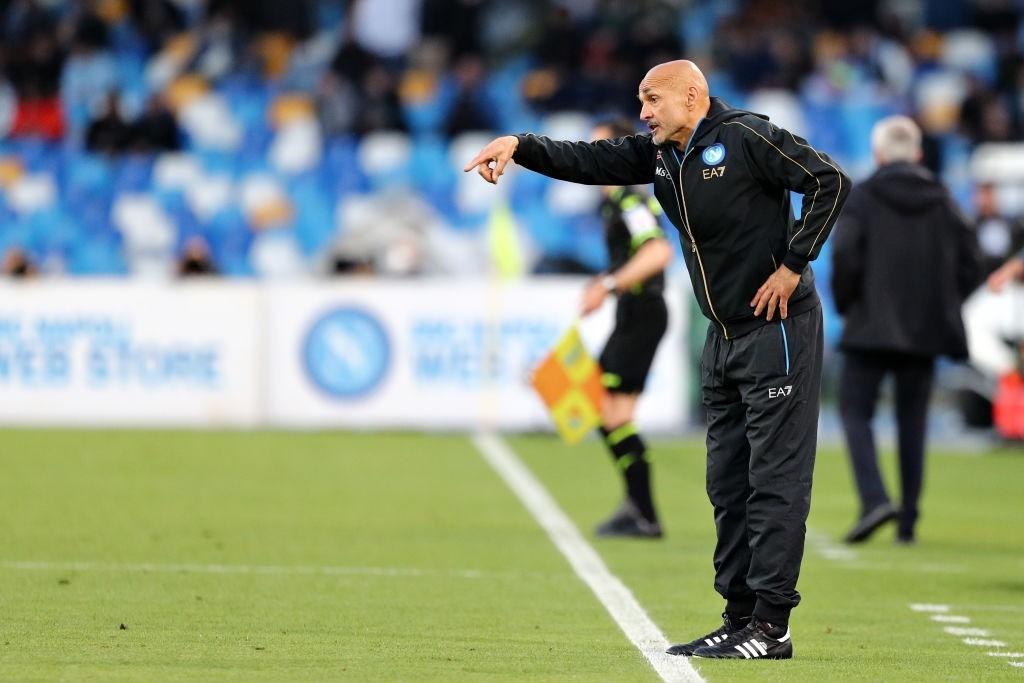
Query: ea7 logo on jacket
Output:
(777,392)
(710,173)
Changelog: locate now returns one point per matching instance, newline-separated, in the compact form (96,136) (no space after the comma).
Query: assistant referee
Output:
(723,177)
(638,254)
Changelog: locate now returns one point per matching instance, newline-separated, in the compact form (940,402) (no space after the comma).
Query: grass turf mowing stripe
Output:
(849,626)
(298,570)
(284,499)
(613,594)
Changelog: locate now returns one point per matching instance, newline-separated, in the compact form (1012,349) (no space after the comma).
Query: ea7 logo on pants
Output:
(776,392)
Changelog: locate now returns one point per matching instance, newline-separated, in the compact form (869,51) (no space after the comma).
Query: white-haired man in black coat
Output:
(904,260)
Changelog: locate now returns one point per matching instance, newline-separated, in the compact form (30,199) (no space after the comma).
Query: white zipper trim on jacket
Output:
(693,242)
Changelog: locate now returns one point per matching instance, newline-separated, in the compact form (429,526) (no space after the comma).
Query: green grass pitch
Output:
(319,556)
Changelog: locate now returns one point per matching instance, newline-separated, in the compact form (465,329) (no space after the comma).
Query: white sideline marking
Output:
(584,560)
(924,607)
(993,608)
(828,548)
(950,619)
(984,642)
(847,558)
(188,568)
(959,631)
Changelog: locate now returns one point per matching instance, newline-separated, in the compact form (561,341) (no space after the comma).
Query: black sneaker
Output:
(628,522)
(870,522)
(730,625)
(757,640)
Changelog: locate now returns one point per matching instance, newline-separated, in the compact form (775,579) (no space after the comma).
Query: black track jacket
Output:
(727,195)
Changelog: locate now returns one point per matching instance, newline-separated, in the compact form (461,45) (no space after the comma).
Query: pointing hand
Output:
(499,152)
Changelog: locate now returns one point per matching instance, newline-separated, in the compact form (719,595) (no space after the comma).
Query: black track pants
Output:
(761,392)
(859,385)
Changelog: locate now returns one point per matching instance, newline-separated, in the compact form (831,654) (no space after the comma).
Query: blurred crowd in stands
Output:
(290,139)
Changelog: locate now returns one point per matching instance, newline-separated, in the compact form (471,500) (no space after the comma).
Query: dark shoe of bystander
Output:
(870,522)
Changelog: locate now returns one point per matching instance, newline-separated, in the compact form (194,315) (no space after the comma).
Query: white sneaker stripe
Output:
(759,646)
(750,648)
(745,653)
(709,641)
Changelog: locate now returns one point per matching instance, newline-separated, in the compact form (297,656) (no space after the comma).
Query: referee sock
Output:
(630,455)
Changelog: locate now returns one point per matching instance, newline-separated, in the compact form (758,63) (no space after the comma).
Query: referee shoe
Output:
(627,521)
(757,640)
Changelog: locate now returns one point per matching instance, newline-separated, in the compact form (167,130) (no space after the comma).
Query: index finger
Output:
(477,160)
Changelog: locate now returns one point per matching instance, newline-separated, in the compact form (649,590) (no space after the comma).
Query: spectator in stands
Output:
(1012,270)
(468,112)
(17,264)
(455,23)
(158,20)
(841,62)
(999,236)
(34,69)
(387,28)
(985,115)
(335,104)
(91,71)
(109,133)
(904,260)
(156,130)
(196,258)
(378,106)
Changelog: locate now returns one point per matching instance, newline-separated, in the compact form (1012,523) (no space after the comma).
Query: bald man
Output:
(724,177)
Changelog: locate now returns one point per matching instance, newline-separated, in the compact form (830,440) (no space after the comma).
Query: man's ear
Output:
(692,93)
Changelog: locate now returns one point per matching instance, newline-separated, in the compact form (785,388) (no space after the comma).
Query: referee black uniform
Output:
(641,318)
(630,220)
(728,194)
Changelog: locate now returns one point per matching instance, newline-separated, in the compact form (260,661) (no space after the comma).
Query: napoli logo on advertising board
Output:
(347,353)
(714,154)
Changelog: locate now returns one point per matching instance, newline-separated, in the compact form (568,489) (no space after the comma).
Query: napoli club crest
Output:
(714,154)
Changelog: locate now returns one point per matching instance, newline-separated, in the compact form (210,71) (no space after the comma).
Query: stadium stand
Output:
(130,127)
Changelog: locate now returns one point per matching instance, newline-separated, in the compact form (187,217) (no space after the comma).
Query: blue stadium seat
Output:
(588,244)
(97,256)
(824,123)
(340,171)
(430,169)
(52,230)
(86,177)
(858,119)
(314,224)
(429,115)
(504,90)
(551,234)
(229,237)
(134,173)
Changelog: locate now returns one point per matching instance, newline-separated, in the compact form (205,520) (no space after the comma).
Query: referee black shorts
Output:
(640,323)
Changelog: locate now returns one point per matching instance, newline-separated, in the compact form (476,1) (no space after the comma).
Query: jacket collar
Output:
(719,112)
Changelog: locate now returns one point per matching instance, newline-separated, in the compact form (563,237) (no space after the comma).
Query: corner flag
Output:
(569,382)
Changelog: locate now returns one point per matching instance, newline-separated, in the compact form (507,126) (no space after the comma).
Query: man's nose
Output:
(644,112)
